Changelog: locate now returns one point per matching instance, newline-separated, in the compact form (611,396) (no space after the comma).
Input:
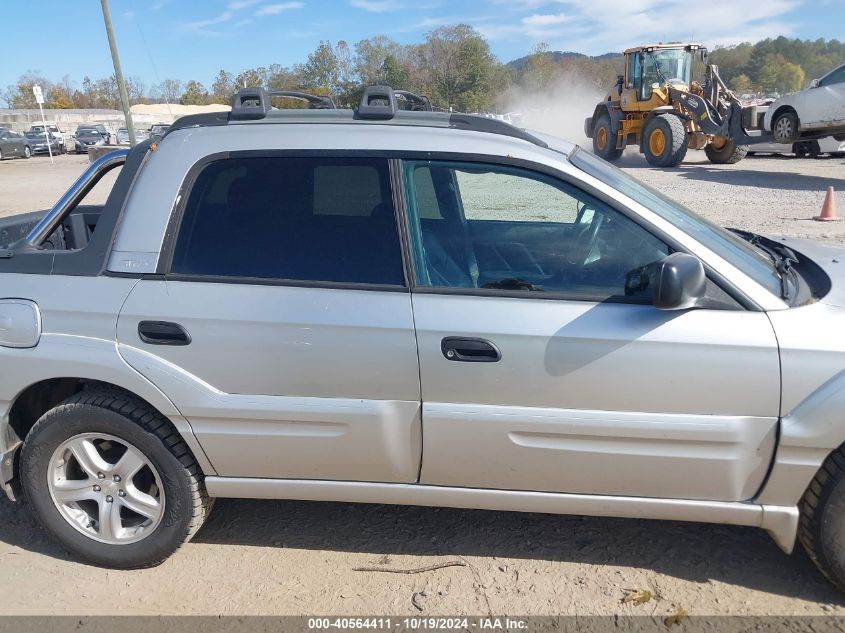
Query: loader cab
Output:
(648,67)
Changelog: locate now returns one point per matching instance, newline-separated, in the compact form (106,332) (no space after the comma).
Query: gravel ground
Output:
(298,557)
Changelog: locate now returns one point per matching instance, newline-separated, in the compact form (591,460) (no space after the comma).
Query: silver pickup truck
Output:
(400,306)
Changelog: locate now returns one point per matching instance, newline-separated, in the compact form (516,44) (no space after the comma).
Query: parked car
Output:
(333,295)
(123,136)
(42,143)
(158,129)
(88,135)
(802,149)
(54,129)
(816,112)
(14,145)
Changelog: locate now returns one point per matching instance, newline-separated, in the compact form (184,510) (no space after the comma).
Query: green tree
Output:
(540,69)
(223,88)
(23,96)
(742,84)
(322,69)
(458,68)
(195,94)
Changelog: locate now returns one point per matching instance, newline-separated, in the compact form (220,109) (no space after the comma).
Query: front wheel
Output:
(721,151)
(785,128)
(604,140)
(822,526)
(27,152)
(112,480)
(665,141)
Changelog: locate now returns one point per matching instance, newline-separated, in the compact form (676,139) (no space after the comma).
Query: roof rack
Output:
(377,103)
(415,102)
(254,103)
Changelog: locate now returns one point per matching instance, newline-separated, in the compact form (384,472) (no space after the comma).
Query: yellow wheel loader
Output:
(658,107)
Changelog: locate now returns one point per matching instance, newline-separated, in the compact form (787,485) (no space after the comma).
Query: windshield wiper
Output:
(512,284)
(782,257)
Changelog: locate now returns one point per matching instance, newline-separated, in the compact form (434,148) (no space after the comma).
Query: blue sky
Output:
(193,39)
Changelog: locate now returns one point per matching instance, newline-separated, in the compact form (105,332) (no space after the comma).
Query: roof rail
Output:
(254,103)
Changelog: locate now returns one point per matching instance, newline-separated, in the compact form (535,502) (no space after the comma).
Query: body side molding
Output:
(781,522)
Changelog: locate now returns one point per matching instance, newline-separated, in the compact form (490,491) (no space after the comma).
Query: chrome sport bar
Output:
(74,195)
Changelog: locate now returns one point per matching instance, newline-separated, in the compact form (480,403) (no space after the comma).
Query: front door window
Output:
(499,228)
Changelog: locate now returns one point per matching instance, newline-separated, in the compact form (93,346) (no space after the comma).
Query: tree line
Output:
(453,66)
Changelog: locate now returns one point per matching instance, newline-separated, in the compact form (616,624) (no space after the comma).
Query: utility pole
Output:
(118,73)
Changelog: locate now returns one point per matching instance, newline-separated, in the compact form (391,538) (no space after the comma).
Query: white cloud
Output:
(599,26)
(237,5)
(376,6)
(545,20)
(201,26)
(273,9)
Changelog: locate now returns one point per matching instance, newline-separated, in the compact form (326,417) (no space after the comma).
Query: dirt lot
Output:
(298,557)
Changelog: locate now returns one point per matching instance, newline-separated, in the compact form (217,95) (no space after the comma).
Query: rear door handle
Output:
(469,350)
(163,333)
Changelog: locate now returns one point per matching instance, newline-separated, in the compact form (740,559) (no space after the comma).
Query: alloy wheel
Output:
(106,488)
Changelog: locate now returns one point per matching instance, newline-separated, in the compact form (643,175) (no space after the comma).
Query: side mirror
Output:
(680,282)
(814,83)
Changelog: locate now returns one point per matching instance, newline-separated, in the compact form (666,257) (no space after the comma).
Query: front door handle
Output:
(469,350)
(163,333)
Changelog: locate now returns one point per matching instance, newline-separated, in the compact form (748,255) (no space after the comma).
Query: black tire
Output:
(1,154)
(729,154)
(822,526)
(113,412)
(27,152)
(602,131)
(785,128)
(674,147)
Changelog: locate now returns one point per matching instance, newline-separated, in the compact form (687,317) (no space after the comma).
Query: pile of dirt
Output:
(176,110)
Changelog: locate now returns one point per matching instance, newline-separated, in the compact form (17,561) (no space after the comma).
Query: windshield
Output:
(752,261)
(662,66)
(87,130)
(35,134)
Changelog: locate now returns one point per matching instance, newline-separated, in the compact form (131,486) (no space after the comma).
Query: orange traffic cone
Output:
(828,213)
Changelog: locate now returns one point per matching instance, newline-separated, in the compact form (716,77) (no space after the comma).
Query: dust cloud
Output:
(559,110)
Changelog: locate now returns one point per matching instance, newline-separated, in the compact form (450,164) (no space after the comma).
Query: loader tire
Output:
(821,529)
(604,140)
(664,141)
(728,154)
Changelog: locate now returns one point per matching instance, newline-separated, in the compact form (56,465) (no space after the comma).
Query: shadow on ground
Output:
(744,557)
(736,175)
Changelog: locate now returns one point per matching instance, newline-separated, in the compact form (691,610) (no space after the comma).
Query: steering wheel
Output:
(585,239)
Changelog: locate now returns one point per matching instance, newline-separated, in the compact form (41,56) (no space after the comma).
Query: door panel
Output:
(823,106)
(602,398)
(286,382)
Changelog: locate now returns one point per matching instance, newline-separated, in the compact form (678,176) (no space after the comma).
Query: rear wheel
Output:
(785,128)
(665,141)
(112,480)
(822,527)
(722,151)
(604,141)
(806,149)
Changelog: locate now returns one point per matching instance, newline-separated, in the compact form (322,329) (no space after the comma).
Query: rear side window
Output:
(291,218)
